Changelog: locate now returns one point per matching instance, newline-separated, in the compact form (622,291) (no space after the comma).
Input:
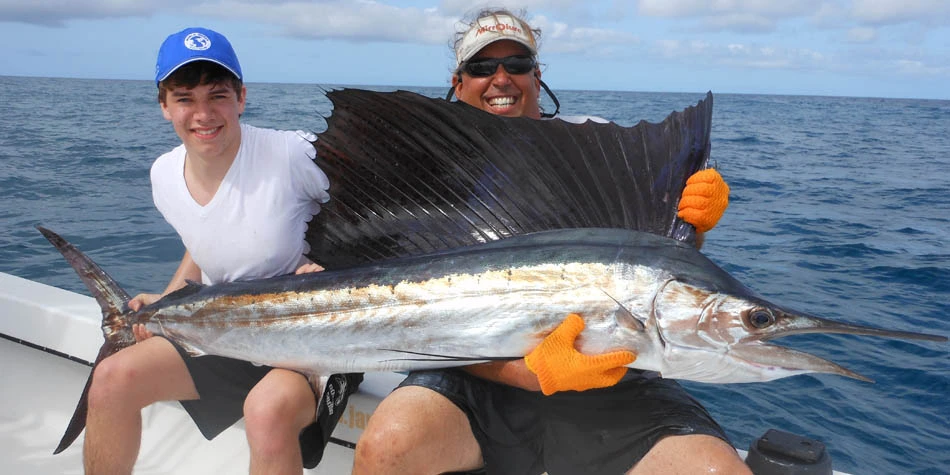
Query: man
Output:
(557,410)
(239,197)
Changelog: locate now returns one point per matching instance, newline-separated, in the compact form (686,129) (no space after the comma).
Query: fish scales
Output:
(488,311)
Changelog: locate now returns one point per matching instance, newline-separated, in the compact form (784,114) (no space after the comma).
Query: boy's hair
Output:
(199,73)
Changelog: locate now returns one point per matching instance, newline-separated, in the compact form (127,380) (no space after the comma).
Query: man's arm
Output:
(555,365)
(187,270)
(513,373)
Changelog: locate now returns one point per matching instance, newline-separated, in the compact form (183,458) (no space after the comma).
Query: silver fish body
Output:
(681,314)
(495,301)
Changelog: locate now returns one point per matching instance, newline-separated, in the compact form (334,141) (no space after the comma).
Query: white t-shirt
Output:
(254,225)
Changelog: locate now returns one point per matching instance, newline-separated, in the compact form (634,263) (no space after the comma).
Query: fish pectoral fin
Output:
(625,317)
(192,350)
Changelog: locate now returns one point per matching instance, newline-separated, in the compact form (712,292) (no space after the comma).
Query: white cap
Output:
(491,28)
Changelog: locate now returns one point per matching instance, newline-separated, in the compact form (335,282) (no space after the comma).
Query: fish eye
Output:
(760,318)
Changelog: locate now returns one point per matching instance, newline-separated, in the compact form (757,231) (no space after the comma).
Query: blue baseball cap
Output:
(195,44)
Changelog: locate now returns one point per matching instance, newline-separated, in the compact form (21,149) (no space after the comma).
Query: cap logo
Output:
(197,42)
(499,27)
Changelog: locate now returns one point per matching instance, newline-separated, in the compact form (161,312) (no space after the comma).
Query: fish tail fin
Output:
(78,421)
(116,324)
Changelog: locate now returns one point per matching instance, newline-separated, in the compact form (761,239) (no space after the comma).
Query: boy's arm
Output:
(187,270)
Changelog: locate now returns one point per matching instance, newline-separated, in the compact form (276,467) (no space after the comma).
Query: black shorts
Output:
(599,431)
(224,383)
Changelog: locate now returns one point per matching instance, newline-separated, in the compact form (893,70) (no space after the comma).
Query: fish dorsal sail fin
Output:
(412,175)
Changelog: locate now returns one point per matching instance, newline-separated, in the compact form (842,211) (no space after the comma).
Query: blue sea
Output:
(840,207)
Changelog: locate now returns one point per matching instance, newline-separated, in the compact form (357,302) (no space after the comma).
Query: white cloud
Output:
(389,20)
(342,20)
(755,15)
(814,35)
(740,22)
(830,15)
(798,35)
(550,28)
(669,49)
(699,46)
(671,8)
(360,20)
(919,68)
(56,13)
(862,35)
(702,8)
(460,8)
(889,12)
(592,42)
(740,55)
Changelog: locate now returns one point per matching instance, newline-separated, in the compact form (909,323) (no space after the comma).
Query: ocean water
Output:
(840,207)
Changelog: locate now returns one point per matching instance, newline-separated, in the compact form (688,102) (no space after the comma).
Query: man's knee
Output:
(708,455)
(139,375)
(398,426)
(115,381)
(726,462)
(381,446)
(272,410)
(414,426)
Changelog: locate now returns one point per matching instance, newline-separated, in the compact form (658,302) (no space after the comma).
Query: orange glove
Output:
(704,199)
(560,367)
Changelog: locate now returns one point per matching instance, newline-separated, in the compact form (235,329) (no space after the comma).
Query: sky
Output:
(861,48)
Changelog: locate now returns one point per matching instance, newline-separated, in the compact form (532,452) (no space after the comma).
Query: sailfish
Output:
(455,237)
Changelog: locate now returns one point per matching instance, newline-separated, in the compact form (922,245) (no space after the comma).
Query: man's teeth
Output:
(501,101)
(207,131)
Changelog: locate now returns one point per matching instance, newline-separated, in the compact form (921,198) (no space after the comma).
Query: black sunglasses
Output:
(481,68)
